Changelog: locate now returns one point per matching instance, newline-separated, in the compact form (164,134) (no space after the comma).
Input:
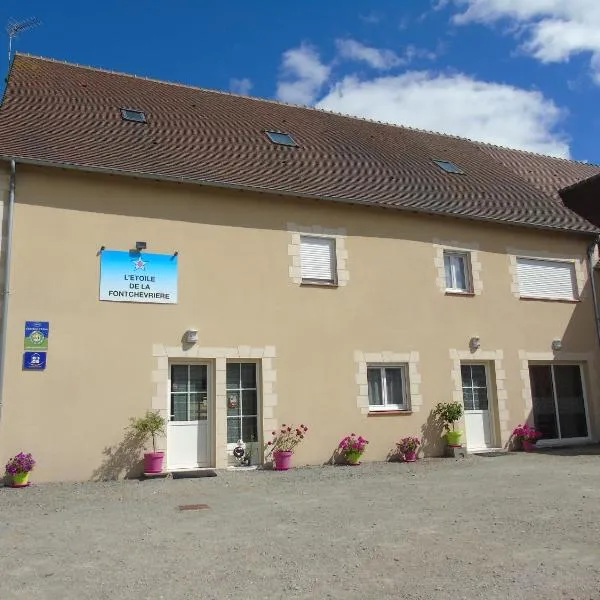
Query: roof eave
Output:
(238,187)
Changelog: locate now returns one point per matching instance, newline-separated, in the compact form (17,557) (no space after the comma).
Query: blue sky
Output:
(520,73)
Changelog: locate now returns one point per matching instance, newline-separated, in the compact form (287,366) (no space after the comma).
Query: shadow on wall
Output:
(432,437)
(123,460)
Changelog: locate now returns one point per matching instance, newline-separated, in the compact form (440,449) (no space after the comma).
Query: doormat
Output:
(193,474)
(493,454)
(193,506)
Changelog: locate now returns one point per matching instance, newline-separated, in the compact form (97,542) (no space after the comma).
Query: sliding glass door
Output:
(559,410)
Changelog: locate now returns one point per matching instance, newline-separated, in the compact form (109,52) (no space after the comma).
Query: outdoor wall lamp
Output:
(474,343)
(140,246)
(556,345)
(191,336)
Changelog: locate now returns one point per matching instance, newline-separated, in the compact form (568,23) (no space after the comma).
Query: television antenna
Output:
(14,28)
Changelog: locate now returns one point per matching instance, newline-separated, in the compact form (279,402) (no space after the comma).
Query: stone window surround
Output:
(500,393)
(513,254)
(411,359)
(551,358)
(264,356)
(341,253)
(471,249)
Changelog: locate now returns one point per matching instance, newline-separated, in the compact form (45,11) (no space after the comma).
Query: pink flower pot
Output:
(153,462)
(528,446)
(410,457)
(282,460)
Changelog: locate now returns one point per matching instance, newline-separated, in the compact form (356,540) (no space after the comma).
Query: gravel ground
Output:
(515,526)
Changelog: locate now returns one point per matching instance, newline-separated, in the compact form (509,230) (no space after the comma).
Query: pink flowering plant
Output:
(408,444)
(353,444)
(526,433)
(287,438)
(21,463)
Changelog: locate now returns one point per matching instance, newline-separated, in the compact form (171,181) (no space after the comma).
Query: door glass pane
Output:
(480,399)
(179,378)
(179,407)
(249,403)
(233,430)
(248,375)
(198,378)
(467,378)
(233,376)
(198,407)
(571,406)
(479,379)
(249,429)
(394,386)
(542,395)
(374,381)
(468,398)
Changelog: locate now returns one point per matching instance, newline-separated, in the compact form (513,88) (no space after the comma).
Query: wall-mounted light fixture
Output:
(140,246)
(556,345)
(474,343)
(191,336)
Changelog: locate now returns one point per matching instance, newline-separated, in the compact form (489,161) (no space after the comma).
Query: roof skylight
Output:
(131,114)
(283,139)
(448,166)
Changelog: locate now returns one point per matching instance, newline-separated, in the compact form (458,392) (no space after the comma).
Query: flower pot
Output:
(20,480)
(410,456)
(453,438)
(282,460)
(528,446)
(353,457)
(153,462)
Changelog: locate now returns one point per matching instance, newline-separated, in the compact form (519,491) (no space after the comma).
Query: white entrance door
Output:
(187,431)
(477,410)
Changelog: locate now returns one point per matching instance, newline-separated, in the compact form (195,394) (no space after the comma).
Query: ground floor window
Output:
(189,392)
(242,402)
(558,402)
(387,388)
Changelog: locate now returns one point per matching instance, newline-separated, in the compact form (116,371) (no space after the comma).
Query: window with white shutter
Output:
(550,279)
(317,257)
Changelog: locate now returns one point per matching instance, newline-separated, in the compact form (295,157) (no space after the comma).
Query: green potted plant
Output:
(18,469)
(149,427)
(448,413)
(353,447)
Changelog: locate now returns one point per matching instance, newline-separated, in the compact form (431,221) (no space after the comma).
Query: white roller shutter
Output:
(546,279)
(317,255)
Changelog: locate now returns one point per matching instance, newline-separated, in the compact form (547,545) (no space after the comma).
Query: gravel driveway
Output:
(515,526)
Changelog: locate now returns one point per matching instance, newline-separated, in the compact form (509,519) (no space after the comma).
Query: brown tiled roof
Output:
(60,113)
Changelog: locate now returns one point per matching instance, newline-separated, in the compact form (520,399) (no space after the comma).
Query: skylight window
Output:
(448,166)
(130,114)
(283,139)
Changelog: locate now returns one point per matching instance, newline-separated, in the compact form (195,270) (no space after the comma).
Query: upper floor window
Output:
(283,139)
(317,258)
(458,272)
(448,166)
(130,114)
(546,279)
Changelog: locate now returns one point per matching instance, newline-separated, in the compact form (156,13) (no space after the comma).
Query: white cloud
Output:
(374,57)
(459,105)
(303,75)
(555,30)
(241,86)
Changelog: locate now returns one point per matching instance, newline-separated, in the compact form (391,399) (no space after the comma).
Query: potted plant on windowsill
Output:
(353,447)
(527,435)
(448,413)
(18,469)
(282,446)
(149,427)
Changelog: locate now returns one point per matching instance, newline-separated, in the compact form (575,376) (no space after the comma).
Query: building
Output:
(239,263)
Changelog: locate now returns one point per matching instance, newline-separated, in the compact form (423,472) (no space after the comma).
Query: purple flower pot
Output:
(153,462)
(282,460)
(410,457)
(528,446)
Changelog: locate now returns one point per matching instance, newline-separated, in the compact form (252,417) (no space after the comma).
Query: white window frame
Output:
(574,281)
(386,406)
(466,261)
(332,242)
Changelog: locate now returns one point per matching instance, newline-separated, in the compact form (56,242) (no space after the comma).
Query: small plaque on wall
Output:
(34,361)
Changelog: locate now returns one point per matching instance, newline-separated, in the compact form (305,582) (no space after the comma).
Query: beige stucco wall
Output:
(235,288)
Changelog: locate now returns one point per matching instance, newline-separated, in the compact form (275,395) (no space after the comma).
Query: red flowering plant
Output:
(526,433)
(286,439)
(21,463)
(408,444)
(353,444)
